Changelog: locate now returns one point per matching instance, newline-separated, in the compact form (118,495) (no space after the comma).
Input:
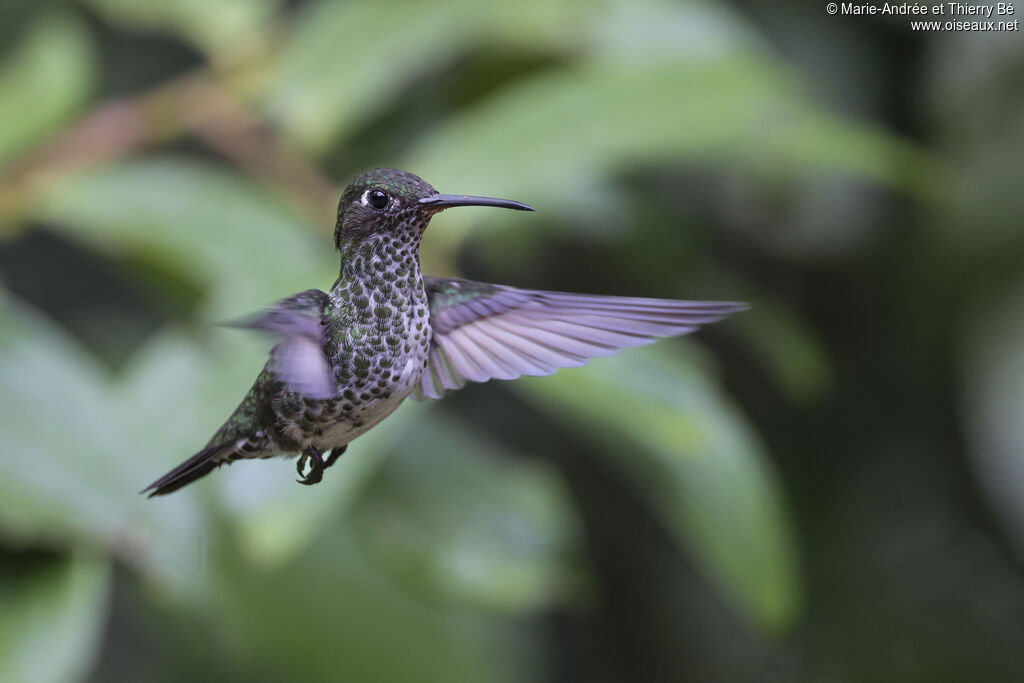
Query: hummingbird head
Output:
(387,202)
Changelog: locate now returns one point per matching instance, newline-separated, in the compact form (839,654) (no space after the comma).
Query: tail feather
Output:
(199,465)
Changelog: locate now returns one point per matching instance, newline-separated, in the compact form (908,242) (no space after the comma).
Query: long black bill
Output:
(446,201)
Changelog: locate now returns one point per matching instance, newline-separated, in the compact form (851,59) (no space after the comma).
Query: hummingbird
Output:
(347,358)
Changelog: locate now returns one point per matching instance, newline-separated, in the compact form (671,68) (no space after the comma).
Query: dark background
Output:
(824,488)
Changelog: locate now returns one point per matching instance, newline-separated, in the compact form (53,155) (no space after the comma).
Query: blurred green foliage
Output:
(796,502)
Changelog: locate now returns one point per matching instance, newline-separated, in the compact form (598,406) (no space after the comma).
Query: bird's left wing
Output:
(483,331)
(298,360)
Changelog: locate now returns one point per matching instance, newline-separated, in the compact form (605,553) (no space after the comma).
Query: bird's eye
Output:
(378,199)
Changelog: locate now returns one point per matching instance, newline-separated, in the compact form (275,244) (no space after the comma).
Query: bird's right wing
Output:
(483,331)
(298,360)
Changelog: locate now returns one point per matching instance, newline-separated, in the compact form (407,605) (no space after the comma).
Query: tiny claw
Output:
(313,478)
(316,469)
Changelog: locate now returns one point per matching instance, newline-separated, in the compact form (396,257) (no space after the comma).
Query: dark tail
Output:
(199,465)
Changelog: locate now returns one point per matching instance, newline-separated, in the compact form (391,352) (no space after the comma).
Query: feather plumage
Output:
(483,331)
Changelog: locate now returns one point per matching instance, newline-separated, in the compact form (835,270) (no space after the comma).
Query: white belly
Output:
(368,414)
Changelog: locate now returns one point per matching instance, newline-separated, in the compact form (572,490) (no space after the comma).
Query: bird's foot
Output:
(316,467)
(317,464)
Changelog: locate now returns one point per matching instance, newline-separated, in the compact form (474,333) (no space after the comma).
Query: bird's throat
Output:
(378,318)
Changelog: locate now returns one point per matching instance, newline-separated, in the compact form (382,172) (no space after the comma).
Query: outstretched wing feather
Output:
(483,332)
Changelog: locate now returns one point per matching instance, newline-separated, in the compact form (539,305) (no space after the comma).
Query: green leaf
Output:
(220,29)
(338,65)
(333,615)
(223,231)
(658,419)
(745,113)
(456,515)
(661,83)
(45,79)
(75,449)
(76,446)
(51,615)
(53,407)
